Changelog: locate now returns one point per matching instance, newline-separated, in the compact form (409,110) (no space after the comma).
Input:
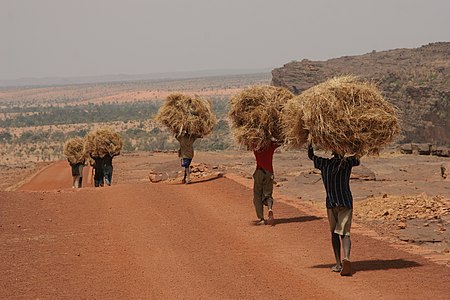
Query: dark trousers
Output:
(108,170)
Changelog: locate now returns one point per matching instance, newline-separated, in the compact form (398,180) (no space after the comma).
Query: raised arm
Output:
(354,160)
(310,152)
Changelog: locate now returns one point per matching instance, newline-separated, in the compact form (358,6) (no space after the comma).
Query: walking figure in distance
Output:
(99,173)
(81,166)
(108,168)
(186,153)
(263,178)
(339,201)
(77,173)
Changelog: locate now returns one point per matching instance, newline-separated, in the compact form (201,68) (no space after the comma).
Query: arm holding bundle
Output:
(310,152)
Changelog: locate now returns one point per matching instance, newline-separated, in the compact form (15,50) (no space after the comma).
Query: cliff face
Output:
(417,81)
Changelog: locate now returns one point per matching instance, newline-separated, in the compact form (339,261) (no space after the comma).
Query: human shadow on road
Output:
(377,264)
(295,220)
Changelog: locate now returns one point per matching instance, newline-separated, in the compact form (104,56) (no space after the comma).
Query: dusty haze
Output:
(53,38)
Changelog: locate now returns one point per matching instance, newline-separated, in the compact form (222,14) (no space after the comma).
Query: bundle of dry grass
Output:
(183,113)
(74,150)
(103,141)
(255,115)
(342,115)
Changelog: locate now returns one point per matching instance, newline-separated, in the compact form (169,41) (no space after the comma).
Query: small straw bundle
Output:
(255,115)
(342,115)
(74,150)
(103,141)
(182,113)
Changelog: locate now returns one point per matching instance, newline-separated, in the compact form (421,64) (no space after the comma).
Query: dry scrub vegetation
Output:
(36,121)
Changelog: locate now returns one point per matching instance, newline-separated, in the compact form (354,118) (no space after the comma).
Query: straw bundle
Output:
(183,113)
(103,141)
(255,115)
(74,150)
(342,115)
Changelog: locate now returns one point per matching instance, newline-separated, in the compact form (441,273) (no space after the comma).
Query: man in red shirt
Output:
(263,183)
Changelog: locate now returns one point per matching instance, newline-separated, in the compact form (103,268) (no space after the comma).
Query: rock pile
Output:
(403,208)
(198,171)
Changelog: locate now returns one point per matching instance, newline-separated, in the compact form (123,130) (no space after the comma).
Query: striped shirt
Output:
(336,177)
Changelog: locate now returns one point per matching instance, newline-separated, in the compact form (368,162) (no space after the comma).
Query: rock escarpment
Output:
(417,81)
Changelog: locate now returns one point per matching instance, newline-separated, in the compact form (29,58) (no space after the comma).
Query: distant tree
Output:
(5,136)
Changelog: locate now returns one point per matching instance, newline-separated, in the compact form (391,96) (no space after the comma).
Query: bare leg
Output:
(187,173)
(77,182)
(346,264)
(347,245)
(336,242)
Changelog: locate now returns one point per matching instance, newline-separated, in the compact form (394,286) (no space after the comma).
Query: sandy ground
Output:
(143,240)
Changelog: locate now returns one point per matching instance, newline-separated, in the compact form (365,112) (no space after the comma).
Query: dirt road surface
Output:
(174,241)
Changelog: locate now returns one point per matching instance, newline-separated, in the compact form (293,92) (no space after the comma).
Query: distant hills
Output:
(415,80)
(53,81)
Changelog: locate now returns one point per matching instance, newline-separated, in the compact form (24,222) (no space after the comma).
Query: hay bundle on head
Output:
(255,115)
(74,150)
(343,115)
(292,125)
(103,141)
(183,113)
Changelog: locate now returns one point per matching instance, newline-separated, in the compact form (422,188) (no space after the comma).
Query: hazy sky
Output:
(42,38)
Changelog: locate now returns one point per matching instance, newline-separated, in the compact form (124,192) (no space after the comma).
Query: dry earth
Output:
(166,240)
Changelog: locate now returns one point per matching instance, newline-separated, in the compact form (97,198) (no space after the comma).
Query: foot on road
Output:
(270,219)
(336,268)
(260,222)
(346,268)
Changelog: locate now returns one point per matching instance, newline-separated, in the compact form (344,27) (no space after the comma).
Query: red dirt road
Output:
(161,241)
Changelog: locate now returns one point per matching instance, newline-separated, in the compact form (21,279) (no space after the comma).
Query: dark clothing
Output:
(75,169)
(336,178)
(108,168)
(99,170)
(107,160)
(186,162)
(264,157)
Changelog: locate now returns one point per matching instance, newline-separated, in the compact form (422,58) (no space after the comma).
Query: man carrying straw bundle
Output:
(339,202)
(186,153)
(188,118)
(102,145)
(255,113)
(344,116)
(77,174)
(99,173)
(263,183)
(74,151)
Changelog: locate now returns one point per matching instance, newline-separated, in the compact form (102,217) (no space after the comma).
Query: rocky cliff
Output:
(417,81)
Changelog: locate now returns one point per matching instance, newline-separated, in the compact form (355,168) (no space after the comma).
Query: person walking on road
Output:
(76,175)
(99,174)
(186,153)
(80,171)
(339,202)
(263,179)
(108,168)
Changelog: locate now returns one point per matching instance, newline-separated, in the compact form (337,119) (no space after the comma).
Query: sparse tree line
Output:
(89,113)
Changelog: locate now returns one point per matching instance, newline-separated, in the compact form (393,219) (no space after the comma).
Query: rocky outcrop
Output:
(417,81)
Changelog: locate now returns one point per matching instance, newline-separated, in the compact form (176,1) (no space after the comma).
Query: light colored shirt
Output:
(186,145)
